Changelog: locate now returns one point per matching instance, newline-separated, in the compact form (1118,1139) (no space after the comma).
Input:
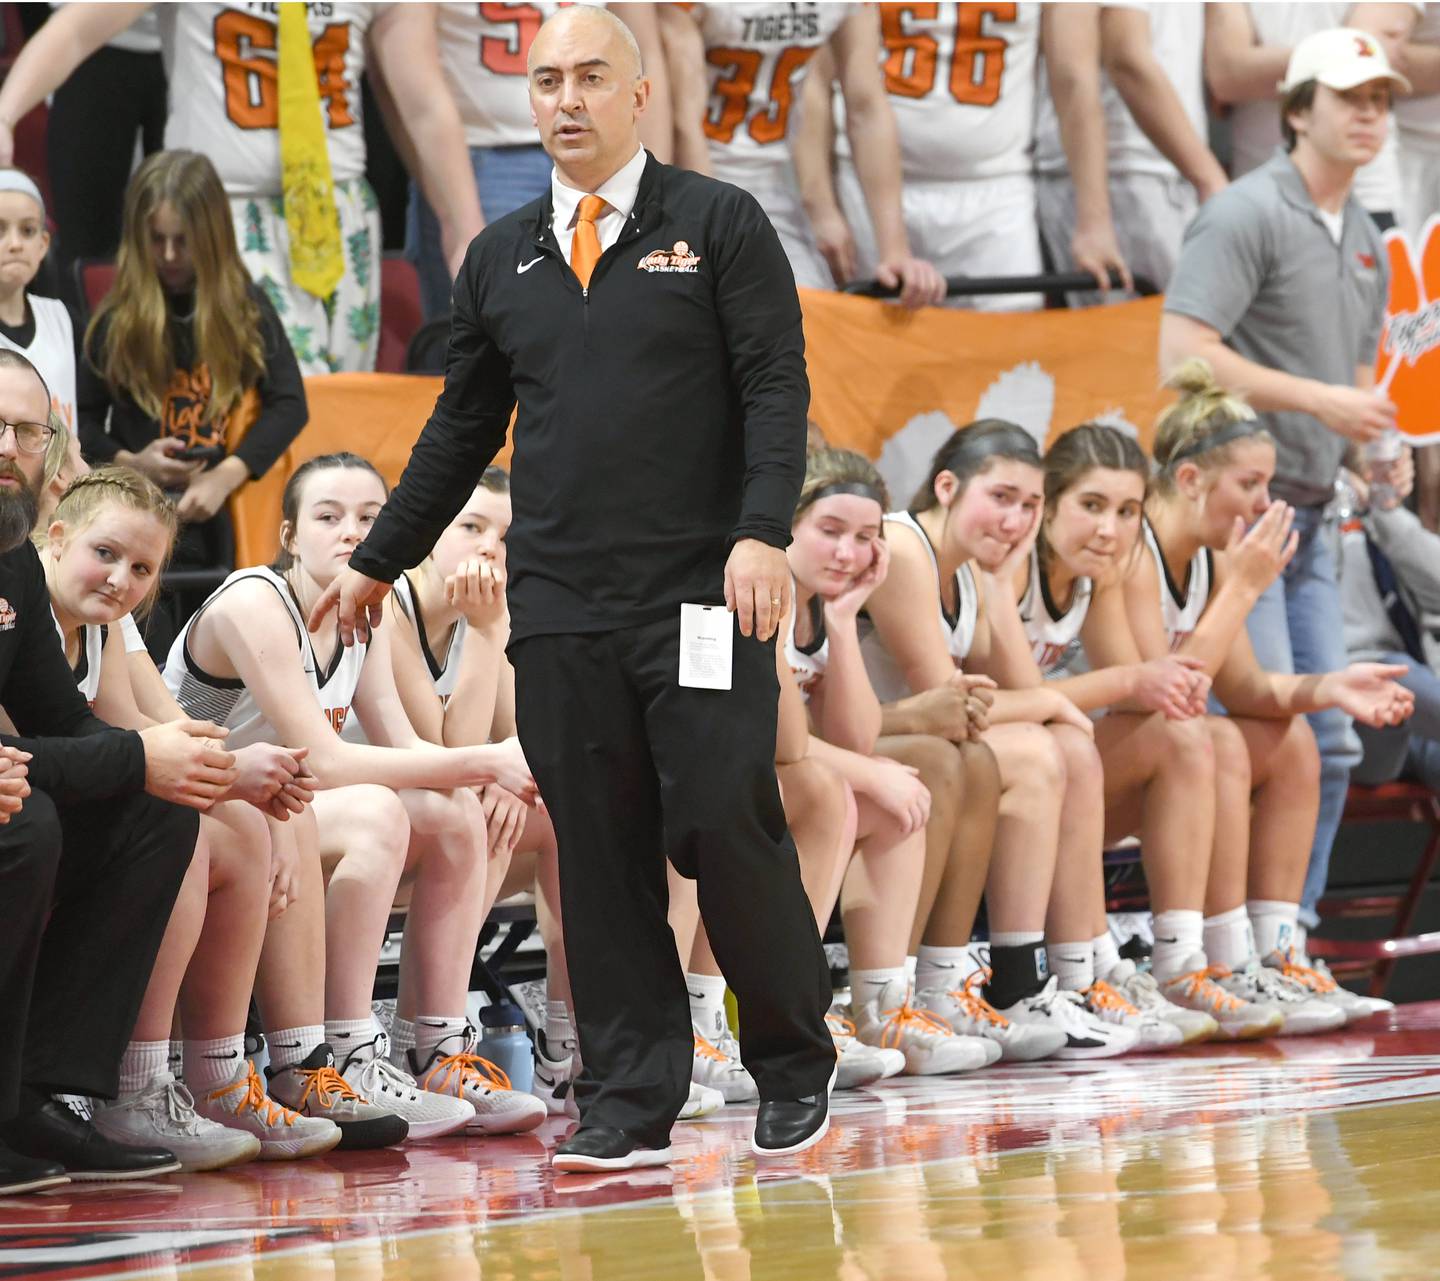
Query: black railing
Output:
(1051,283)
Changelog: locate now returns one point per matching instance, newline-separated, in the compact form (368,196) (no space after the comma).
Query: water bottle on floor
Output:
(505,1042)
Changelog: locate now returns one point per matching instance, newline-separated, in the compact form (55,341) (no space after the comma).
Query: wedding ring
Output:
(775,600)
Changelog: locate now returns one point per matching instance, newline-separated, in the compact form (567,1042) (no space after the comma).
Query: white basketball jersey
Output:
(229,703)
(222,61)
(92,649)
(1054,635)
(1177,36)
(1419,115)
(961,81)
(483,50)
(444,673)
(959,631)
(808,662)
(1181,607)
(755,56)
(52,352)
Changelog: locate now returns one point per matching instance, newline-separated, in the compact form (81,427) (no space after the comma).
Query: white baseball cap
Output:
(1340,59)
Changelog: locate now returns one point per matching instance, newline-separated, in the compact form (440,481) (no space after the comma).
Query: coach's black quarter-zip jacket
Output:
(661,411)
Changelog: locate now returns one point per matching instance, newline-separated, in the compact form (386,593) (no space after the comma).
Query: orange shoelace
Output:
(255,1100)
(907,1016)
(705,1050)
(974,1004)
(1201,983)
(841,1028)
(1306,976)
(328,1087)
(1104,997)
(470,1069)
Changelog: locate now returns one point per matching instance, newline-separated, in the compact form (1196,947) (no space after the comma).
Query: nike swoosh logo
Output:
(235,1054)
(696,996)
(1158,939)
(547,1081)
(525,266)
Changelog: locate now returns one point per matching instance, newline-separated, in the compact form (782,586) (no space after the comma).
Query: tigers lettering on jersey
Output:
(337,717)
(961,80)
(756,56)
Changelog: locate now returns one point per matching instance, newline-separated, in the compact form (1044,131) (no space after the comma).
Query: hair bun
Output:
(1195,378)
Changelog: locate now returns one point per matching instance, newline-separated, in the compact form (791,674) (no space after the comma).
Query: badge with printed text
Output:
(707,643)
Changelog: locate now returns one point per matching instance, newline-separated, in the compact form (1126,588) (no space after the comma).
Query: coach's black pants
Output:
(71,983)
(632,768)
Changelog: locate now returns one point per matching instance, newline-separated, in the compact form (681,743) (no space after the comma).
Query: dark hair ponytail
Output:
(290,499)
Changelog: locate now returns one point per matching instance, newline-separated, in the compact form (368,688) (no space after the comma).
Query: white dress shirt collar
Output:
(619,192)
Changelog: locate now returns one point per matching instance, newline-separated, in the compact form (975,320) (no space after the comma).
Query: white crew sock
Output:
(1179,938)
(1107,955)
(707,1004)
(942,969)
(559,1030)
(433,1029)
(870,985)
(142,1064)
(1274,924)
(402,1038)
(1302,944)
(291,1045)
(353,1036)
(1073,964)
(209,1064)
(1228,940)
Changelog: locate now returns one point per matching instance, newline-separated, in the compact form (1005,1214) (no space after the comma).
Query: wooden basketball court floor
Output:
(1300,1159)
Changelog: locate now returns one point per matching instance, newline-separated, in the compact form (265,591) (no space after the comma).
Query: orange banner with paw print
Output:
(1407,368)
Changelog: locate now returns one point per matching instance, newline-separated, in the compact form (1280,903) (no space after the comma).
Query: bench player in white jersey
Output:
(1247,48)
(483,49)
(383,814)
(1215,465)
(736,78)
(1150,728)
(222,62)
(940,605)
(1157,155)
(102,548)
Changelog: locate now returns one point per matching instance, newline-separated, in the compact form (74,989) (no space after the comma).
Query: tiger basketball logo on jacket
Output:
(678,259)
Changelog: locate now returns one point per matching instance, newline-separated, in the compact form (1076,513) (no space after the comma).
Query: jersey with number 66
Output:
(222,62)
(755,56)
(961,81)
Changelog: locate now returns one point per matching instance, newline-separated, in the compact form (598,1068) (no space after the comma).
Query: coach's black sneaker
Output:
(783,1126)
(49,1131)
(26,1174)
(314,1088)
(599,1147)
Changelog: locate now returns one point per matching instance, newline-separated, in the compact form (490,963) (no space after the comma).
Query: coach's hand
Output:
(186,762)
(1357,415)
(14,784)
(350,594)
(757,587)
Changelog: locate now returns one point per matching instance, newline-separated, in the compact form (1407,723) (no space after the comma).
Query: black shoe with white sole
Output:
(48,1130)
(783,1126)
(599,1147)
(26,1174)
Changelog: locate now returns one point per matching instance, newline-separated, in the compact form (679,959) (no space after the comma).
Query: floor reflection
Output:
(1308,1162)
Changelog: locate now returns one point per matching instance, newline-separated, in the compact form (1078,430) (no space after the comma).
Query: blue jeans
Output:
(1411,750)
(1297,626)
(506,178)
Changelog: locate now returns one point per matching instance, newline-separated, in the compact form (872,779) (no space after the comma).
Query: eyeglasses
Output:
(30,438)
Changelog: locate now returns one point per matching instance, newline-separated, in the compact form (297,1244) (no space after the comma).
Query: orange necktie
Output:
(585,248)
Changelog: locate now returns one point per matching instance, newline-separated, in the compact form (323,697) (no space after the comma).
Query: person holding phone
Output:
(182,351)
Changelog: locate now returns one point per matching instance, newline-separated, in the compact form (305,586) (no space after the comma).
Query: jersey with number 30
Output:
(222,62)
(755,56)
(961,81)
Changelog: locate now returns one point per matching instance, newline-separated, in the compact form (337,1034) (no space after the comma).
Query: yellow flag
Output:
(317,258)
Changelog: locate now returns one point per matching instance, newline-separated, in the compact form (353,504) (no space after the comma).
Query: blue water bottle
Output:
(505,1042)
